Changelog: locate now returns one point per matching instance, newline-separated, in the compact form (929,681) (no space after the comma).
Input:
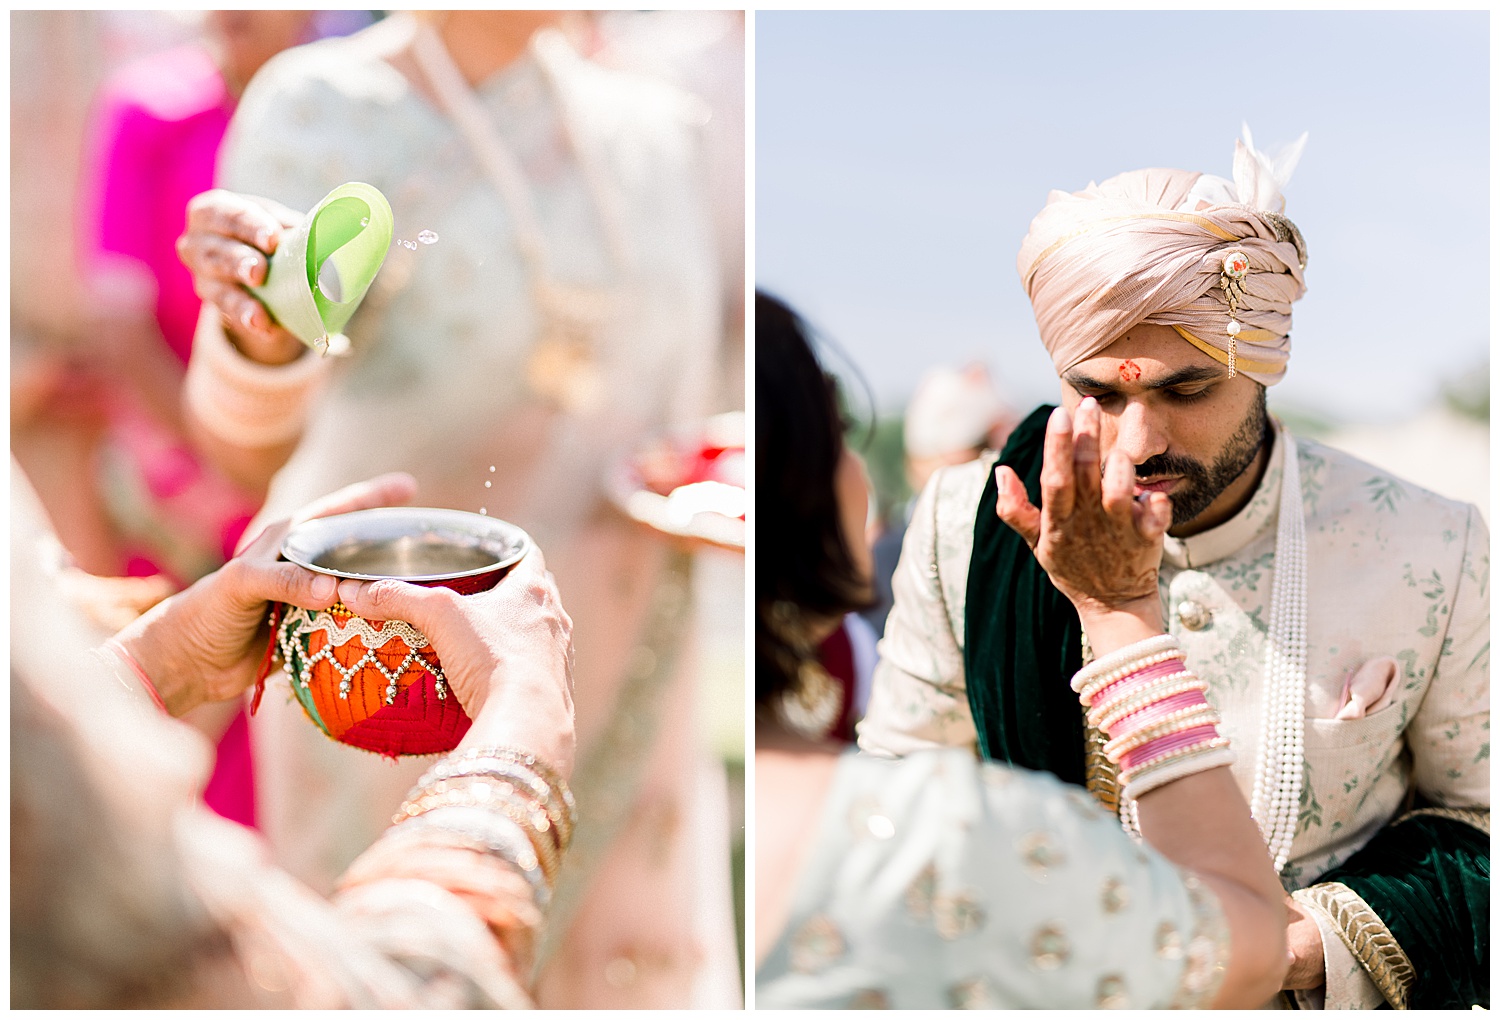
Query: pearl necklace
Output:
(1277,795)
(1278,774)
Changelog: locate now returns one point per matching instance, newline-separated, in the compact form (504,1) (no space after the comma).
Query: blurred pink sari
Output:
(156,131)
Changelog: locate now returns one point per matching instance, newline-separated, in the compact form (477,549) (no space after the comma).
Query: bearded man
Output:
(1339,615)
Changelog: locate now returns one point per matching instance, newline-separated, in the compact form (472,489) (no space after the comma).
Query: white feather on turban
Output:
(1149,246)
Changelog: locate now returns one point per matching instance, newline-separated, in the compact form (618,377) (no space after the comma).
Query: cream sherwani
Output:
(1393,572)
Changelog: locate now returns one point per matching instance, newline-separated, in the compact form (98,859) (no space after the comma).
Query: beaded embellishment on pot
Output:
(377,684)
(373,685)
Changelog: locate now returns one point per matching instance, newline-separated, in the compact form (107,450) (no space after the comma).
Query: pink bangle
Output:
(129,660)
(1107,715)
(1130,680)
(1149,713)
(1176,722)
(1149,751)
(1213,755)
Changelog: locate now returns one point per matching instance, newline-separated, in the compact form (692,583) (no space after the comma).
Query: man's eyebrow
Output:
(1181,377)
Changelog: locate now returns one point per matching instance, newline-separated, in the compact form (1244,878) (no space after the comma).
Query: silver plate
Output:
(408,543)
(627,490)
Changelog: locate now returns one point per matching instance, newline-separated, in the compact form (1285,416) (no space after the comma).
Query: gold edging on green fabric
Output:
(1367,937)
(1477,818)
(1101,777)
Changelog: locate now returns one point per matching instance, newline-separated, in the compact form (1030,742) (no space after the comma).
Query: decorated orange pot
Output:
(378,684)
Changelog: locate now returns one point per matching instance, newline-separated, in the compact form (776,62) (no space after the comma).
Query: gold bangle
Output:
(488,790)
(516,773)
(502,795)
(568,813)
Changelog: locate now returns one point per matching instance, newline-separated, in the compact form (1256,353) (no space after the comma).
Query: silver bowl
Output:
(423,545)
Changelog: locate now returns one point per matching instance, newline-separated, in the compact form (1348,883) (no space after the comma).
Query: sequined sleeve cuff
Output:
(1363,962)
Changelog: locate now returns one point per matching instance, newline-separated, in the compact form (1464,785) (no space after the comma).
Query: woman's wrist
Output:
(174,688)
(502,722)
(1109,628)
(241,401)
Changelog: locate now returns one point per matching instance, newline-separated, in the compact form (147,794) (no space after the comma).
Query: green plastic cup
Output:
(324,266)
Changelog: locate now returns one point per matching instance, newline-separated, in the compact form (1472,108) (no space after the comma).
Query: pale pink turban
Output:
(1150,246)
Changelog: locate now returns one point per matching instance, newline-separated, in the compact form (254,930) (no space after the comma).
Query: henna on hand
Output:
(1099,545)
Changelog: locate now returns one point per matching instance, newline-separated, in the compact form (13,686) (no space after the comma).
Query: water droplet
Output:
(484,511)
(488,483)
(492,469)
(427,237)
(412,245)
(365,222)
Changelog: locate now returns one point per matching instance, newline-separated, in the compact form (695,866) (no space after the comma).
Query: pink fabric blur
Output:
(1369,688)
(230,792)
(159,123)
(156,131)
(1148,246)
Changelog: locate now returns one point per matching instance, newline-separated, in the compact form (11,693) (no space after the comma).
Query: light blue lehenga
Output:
(937,881)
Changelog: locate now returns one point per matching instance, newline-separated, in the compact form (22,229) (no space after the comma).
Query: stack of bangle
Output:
(495,795)
(1153,710)
(242,402)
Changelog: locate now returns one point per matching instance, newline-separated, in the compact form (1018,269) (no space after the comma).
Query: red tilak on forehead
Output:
(1129,370)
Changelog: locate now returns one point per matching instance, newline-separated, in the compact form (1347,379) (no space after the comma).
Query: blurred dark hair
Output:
(803,567)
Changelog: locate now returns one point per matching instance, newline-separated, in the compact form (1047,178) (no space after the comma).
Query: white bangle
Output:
(242,402)
(1170,771)
(1127,656)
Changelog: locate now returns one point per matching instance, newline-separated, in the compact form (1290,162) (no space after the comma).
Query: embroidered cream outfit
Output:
(436,384)
(1397,579)
(941,881)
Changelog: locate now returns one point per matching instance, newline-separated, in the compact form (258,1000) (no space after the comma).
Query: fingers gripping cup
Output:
(378,684)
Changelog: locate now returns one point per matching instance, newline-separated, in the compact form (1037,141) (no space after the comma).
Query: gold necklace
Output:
(563,365)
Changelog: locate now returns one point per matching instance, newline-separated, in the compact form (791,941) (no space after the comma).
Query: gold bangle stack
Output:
(556,800)
(514,784)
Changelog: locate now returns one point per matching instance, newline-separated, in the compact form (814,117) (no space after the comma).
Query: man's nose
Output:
(1138,433)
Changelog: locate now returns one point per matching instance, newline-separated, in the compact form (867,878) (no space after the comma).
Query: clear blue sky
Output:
(901,155)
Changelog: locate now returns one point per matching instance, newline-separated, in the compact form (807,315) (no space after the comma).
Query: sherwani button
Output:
(1193,615)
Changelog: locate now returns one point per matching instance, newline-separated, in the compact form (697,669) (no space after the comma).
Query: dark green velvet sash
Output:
(1428,878)
(1022,641)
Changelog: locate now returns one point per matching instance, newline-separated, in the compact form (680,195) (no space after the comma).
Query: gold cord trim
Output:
(1478,818)
(1367,937)
(1242,363)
